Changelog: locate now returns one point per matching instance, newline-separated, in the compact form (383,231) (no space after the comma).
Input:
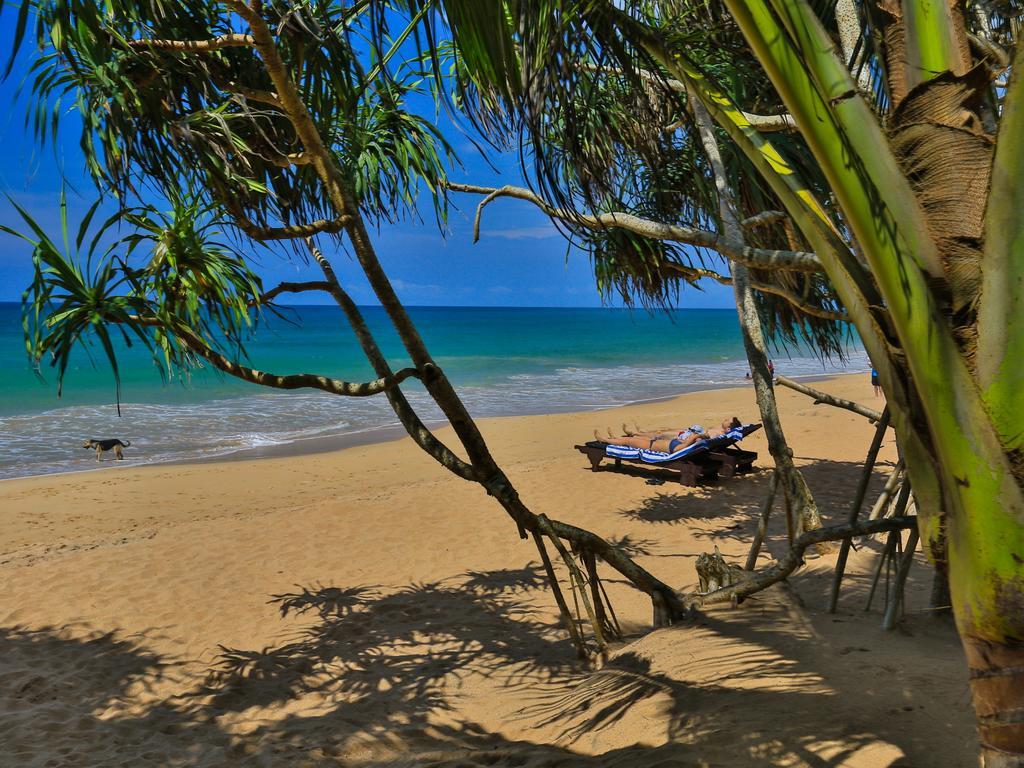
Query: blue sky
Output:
(520,260)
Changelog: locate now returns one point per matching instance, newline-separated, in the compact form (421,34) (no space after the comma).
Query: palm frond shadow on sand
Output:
(376,671)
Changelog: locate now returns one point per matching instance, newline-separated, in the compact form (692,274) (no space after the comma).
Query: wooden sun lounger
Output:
(690,469)
(726,460)
(733,460)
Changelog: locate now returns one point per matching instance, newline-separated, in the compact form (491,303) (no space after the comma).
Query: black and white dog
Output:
(102,446)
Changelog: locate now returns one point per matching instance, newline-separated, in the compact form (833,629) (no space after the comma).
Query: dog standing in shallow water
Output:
(101,446)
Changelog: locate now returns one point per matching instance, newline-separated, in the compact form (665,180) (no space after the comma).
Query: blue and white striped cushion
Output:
(660,457)
(732,436)
(622,452)
(653,457)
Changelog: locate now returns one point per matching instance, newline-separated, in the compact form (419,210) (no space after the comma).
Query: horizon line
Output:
(492,306)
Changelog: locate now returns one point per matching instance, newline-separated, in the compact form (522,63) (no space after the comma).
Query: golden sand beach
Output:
(365,608)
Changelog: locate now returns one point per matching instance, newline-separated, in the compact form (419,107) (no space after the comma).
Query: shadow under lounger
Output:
(703,459)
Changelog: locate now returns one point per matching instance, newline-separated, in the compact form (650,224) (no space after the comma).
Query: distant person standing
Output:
(771,369)
(874,382)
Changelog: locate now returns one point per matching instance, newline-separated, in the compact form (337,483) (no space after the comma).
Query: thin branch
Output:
(763,123)
(793,559)
(290,232)
(334,183)
(254,94)
(269,296)
(692,273)
(758,258)
(770,123)
(214,44)
(858,502)
(287,161)
(823,397)
(291,103)
(762,219)
(985,48)
(801,306)
(290,381)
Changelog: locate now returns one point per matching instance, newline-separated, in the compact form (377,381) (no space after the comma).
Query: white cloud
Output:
(402,285)
(521,233)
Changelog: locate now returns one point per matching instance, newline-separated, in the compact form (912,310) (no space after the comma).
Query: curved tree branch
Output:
(757,258)
(189,46)
(225,364)
(287,161)
(793,559)
(797,303)
(253,94)
(403,409)
(697,273)
(286,287)
(763,123)
(762,219)
(793,260)
(482,467)
(292,231)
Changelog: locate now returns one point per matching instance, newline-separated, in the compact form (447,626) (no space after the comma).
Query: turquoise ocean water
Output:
(503,361)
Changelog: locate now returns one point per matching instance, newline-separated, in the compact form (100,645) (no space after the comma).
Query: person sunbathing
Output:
(668,440)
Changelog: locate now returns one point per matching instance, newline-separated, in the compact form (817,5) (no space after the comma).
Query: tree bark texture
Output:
(794,487)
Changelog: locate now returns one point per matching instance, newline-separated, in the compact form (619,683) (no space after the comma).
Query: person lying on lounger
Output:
(669,440)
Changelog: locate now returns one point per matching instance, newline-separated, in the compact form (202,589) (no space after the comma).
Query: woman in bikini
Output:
(669,441)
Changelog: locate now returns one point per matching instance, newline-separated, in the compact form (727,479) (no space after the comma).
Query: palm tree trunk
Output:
(997,688)
(986,580)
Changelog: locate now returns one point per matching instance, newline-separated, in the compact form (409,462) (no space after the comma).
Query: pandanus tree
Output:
(218,127)
(903,179)
(637,178)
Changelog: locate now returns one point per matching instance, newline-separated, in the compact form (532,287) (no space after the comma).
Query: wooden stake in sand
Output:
(894,541)
(762,523)
(858,501)
(893,609)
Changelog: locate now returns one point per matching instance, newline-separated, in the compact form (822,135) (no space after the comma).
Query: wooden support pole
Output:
(858,502)
(823,397)
(611,610)
(576,578)
(891,543)
(590,563)
(891,485)
(563,608)
(893,610)
(882,560)
(790,523)
(762,523)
